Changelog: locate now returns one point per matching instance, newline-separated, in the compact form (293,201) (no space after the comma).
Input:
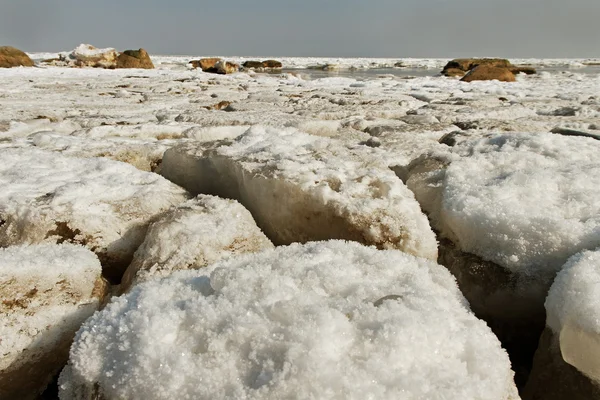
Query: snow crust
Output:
(47,292)
(103,204)
(195,234)
(300,187)
(524,201)
(328,320)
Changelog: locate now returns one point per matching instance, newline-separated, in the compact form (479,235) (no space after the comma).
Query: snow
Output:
(573,312)
(47,292)
(103,204)
(301,187)
(328,320)
(89,51)
(195,234)
(524,201)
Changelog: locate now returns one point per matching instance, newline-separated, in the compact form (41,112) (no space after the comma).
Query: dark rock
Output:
(134,59)
(12,57)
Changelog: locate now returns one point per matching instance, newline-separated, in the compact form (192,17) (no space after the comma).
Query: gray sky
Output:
(350,28)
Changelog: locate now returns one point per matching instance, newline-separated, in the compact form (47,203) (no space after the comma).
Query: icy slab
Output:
(47,292)
(526,202)
(573,309)
(193,235)
(103,204)
(301,188)
(327,320)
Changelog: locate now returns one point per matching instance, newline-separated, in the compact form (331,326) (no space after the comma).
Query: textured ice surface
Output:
(47,291)
(102,204)
(195,234)
(300,187)
(524,201)
(327,320)
(573,309)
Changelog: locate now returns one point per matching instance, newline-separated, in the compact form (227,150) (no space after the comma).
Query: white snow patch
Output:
(328,320)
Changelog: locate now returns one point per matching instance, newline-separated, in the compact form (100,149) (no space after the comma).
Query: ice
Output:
(327,320)
(573,309)
(195,234)
(523,201)
(301,187)
(47,292)
(102,204)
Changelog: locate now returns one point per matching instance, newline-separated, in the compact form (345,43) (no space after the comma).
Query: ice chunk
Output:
(103,204)
(326,320)
(47,292)
(573,308)
(195,234)
(300,187)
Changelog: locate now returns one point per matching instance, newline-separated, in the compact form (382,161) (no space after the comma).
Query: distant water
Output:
(361,74)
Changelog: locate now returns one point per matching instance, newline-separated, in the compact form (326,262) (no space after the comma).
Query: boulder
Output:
(467,64)
(206,64)
(86,55)
(12,57)
(134,59)
(302,188)
(289,323)
(193,235)
(453,72)
(102,204)
(226,67)
(47,292)
(253,64)
(522,70)
(488,73)
(273,64)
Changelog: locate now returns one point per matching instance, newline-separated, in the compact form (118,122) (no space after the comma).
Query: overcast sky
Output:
(344,28)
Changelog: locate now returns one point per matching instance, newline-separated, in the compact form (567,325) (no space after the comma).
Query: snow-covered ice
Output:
(327,320)
(573,309)
(301,187)
(195,234)
(47,292)
(102,204)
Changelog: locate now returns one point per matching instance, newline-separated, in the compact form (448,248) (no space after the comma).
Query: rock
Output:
(253,64)
(226,67)
(272,64)
(193,235)
(86,55)
(134,59)
(453,72)
(102,204)
(301,188)
(47,292)
(206,64)
(467,64)
(522,69)
(285,324)
(574,132)
(12,57)
(488,73)
(219,106)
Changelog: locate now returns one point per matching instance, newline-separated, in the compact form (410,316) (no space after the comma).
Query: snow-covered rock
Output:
(326,320)
(47,292)
(567,362)
(300,188)
(195,234)
(511,209)
(86,55)
(102,204)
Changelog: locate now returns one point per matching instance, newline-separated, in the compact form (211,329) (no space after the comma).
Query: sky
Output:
(326,28)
